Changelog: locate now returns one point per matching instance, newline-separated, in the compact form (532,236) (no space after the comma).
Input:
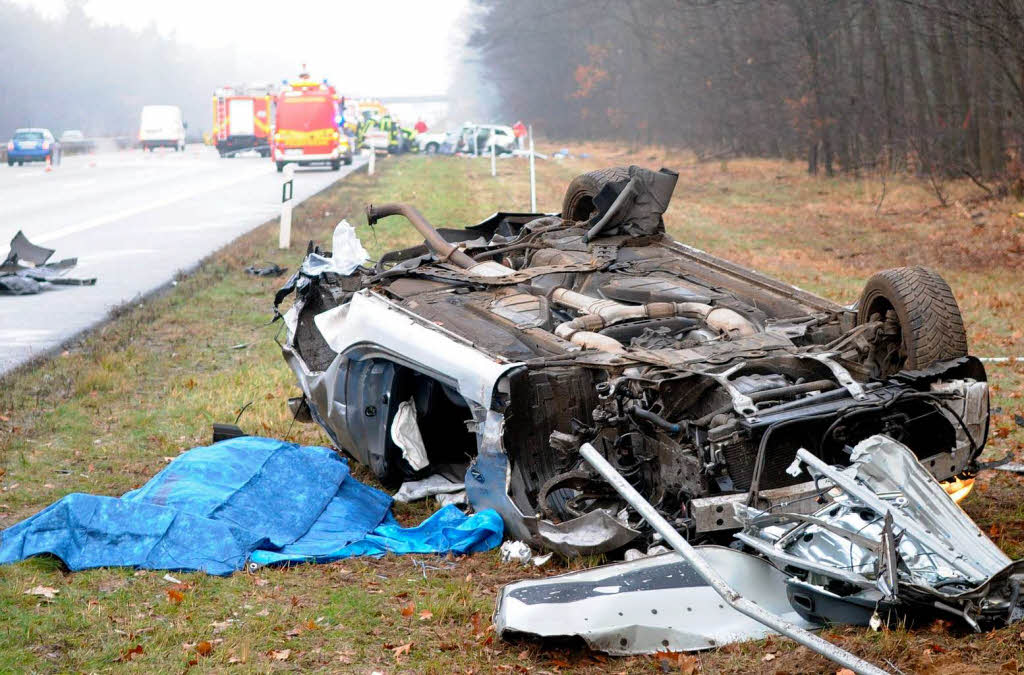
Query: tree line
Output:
(930,86)
(72,74)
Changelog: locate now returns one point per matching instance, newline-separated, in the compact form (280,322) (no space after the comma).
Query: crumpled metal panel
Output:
(891,528)
(370,322)
(487,486)
(647,605)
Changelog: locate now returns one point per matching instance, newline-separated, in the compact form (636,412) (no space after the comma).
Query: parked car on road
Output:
(33,145)
(472,138)
(74,141)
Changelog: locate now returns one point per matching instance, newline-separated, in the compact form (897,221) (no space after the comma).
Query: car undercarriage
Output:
(508,344)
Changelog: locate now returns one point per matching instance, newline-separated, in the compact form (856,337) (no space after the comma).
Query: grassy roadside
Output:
(106,415)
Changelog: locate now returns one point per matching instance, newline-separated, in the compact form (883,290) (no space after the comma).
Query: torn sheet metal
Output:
(892,539)
(25,270)
(647,605)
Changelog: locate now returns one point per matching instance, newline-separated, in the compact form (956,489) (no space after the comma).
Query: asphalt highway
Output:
(133,220)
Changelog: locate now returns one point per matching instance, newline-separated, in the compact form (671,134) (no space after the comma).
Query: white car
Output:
(472,139)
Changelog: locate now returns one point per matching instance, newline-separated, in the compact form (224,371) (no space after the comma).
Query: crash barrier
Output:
(713,578)
(284,239)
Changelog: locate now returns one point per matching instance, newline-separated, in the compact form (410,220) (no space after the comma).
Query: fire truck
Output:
(308,125)
(242,118)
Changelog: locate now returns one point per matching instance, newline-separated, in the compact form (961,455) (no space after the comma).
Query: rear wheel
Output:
(335,164)
(578,203)
(432,148)
(280,167)
(348,160)
(10,162)
(930,325)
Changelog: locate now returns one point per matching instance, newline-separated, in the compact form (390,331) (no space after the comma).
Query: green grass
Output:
(107,414)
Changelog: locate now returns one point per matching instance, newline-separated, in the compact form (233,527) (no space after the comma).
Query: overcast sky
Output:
(390,48)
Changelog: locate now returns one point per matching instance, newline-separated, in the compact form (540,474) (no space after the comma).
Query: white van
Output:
(161,126)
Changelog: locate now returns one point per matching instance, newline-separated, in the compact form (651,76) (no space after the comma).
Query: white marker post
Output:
(284,239)
(533,176)
(494,165)
(373,161)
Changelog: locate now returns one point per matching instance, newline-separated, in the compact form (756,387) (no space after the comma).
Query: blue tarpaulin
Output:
(213,508)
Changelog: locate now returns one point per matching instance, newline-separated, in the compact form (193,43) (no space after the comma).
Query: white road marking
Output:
(128,213)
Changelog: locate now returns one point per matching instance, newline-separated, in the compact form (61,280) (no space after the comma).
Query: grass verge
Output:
(107,414)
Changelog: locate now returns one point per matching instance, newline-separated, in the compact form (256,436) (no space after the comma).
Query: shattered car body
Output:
(26,269)
(641,606)
(889,540)
(522,337)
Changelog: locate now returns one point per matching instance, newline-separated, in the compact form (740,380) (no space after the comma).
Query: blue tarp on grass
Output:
(213,508)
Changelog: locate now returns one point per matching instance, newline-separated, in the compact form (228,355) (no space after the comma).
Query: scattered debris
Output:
(433,485)
(265,270)
(890,541)
(643,606)
(46,592)
(515,551)
(26,271)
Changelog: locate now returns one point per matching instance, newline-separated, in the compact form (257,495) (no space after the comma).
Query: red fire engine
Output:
(241,119)
(308,125)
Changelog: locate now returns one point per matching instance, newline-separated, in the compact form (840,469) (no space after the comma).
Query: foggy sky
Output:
(393,48)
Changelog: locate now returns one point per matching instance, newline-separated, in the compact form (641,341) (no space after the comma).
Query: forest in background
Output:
(73,74)
(935,87)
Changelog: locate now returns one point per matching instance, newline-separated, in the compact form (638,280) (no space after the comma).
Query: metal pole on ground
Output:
(284,238)
(713,579)
(533,176)
(494,165)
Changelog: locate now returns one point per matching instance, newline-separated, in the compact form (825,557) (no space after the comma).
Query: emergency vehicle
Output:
(241,119)
(308,125)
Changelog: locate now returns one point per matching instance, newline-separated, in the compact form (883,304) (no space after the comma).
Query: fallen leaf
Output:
(43,592)
(408,609)
(219,626)
(204,648)
(1009,667)
(681,661)
(279,654)
(426,614)
(131,653)
(845,671)
(174,595)
(401,649)
(768,657)
(310,625)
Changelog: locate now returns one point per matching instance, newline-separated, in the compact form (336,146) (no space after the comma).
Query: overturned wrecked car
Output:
(492,353)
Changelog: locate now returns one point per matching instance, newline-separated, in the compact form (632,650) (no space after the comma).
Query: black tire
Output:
(280,167)
(21,163)
(335,164)
(930,321)
(10,162)
(432,148)
(578,203)
(348,160)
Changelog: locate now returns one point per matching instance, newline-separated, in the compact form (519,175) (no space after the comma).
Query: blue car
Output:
(33,145)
